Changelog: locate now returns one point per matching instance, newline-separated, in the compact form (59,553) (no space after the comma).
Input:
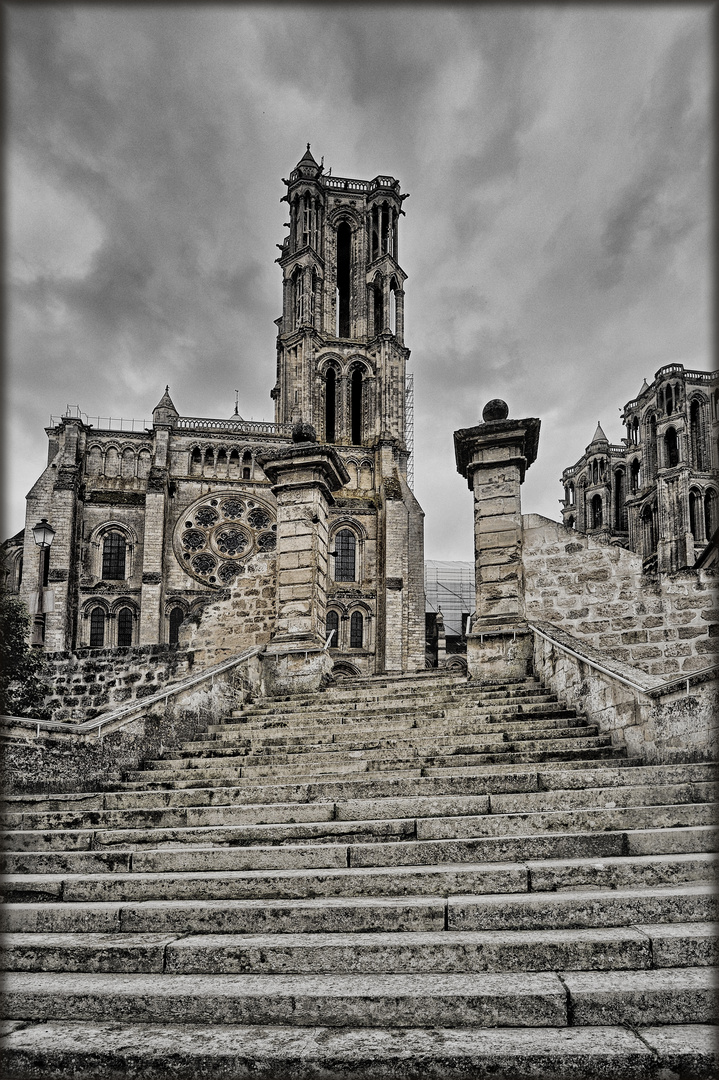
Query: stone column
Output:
(303,478)
(493,457)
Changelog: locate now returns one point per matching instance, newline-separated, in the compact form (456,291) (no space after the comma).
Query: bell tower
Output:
(341,356)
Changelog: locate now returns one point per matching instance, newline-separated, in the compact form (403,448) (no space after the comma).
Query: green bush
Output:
(22,690)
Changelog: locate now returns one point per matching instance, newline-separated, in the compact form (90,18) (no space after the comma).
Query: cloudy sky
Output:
(557,237)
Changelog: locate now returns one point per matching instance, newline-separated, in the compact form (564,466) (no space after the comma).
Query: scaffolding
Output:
(409,426)
(450,586)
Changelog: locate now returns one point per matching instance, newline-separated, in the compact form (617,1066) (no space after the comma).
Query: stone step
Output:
(395,880)
(400,703)
(510,754)
(278,752)
(89,1049)
(595,949)
(582,774)
(269,884)
(353,830)
(412,728)
(584,907)
(389,751)
(316,787)
(422,712)
(682,841)
(534,999)
(356,915)
(359,809)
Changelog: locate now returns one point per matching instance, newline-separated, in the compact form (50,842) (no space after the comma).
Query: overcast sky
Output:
(557,238)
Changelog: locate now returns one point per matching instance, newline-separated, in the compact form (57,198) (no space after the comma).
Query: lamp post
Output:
(43,535)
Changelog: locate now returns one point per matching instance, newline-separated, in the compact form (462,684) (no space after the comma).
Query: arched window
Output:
(222,461)
(620,512)
(669,400)
(332,622)
(651,449)
(195,461)
(356,406)
(393,306)
(298,296)
(356,630)
(570,522)
(635,475)
(345,547)
(97,628)
(595,471)
(696,436)
(113,557)
(177,617)
(19,572)
(330,404)
(649,531)
(378,308)
(597,512)
(635,431)
(710,513)
(696,513)
(344,244)
(124,626)
(671,447)
(246,465)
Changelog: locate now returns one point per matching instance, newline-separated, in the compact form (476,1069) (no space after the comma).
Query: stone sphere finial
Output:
(496,409)
(303,432)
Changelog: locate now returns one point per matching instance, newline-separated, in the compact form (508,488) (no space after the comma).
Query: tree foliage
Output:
(22,690)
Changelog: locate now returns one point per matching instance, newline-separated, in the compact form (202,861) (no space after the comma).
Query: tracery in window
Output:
(97,628)
(356,630)
(124,627)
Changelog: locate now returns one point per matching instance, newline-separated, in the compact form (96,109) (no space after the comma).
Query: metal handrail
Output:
(652,691)
(130,710)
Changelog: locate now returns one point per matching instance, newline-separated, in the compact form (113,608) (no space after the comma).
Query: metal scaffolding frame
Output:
(409,425)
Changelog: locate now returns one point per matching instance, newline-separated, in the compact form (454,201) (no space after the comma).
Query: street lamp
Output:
(43,535)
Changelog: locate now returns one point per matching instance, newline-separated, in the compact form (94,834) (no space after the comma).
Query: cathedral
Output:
(656,491)
(152,525)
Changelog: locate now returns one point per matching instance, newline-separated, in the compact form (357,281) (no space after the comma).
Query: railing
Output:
(658,690)
(695,376)
(242,427)
(125,714)
(104,423)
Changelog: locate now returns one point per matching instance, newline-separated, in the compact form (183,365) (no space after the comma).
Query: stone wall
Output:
(242,617)
(597,592)
(89,682)
(680,725)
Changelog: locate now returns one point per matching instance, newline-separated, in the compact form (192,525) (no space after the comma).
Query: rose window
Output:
(217,535)
(232,541)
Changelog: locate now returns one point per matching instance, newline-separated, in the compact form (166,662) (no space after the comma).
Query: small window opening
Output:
(671,446)
(332,622)
(113,557)
(345,547)
(356,406)
(330,405)
(97,628)
(597,512)
(356,630)
(124,627)
(177,617)
(344,242)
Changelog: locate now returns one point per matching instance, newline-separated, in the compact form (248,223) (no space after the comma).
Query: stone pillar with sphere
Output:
(493,457)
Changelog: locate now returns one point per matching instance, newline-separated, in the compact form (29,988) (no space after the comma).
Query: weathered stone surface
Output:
(668,996)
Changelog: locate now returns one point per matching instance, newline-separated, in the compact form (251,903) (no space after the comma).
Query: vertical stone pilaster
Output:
(493,457)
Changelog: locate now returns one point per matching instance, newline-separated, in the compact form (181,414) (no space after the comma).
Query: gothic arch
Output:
(97,542)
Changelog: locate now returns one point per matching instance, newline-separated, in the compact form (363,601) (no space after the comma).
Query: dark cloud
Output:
(556,240)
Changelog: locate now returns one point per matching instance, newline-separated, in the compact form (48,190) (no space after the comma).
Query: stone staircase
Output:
(400,877)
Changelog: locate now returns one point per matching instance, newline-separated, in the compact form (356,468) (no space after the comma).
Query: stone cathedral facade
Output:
(153,525)
(656,492)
